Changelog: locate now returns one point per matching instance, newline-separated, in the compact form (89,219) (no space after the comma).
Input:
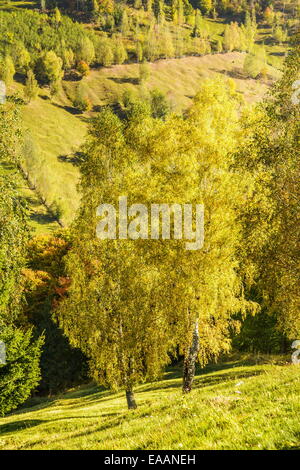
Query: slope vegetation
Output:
(58,129)
(236,405)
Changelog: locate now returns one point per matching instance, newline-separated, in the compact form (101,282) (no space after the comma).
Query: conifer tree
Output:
(120,53)
(20,56)
(7,70)
(159,13)
(198,24)
(57,16)
(139,52)
(85,50)
(125,24)
(177,12)
(144,72)
(149,6)
(21,372)
(205,6)
(31,89)
(227,40)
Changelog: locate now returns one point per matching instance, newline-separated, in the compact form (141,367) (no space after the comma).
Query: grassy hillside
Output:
(240,404)
(179,78)
(57,135)
(41,221)
(58,130)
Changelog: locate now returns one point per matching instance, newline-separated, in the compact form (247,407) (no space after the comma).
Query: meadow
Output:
(247,402)
(57,129)
(55,168)
(161,101)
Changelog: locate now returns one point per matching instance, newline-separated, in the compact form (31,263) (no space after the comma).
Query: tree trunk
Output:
(190,361)
(131,400)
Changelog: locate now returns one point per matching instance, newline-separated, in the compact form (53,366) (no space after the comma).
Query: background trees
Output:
(45,284)
(28,36)
(21,372)
(131,302)
(271,224)
(281,263)
(31,87)
(7,70)
(49,68)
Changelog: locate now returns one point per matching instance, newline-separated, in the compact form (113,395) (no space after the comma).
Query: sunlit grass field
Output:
(240,404)
(58,130)
(58,135)
(8,5)
(180,79)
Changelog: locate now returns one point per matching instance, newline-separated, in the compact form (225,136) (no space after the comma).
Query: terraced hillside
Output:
(58,129)
(245,403)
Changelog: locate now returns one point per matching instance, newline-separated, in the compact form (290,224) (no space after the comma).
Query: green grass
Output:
(58,135)
(180,79)
(236,405)
(58,131)
(40,220)
(15,5)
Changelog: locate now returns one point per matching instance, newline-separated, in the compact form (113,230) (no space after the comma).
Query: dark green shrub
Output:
(21,373)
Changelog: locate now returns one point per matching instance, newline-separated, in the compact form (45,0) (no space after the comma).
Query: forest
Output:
(182,103)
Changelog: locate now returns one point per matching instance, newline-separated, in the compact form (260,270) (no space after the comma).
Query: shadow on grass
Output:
(223,378)
(20,78)
(277,54)
(235,73)
(203,377)
(69,109)
(37,215)
(85,395)
(75,158)
(30,423)
(42,218)
(97,108)
(91,394)
(8,7)
(33,404)
(92,399)
(72,76)
(19,425)
(120,80)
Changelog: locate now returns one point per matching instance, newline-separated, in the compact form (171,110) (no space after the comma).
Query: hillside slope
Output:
(236,405)
(179,78)
(58,130)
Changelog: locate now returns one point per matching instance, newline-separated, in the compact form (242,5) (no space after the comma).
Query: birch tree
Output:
(134,299)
